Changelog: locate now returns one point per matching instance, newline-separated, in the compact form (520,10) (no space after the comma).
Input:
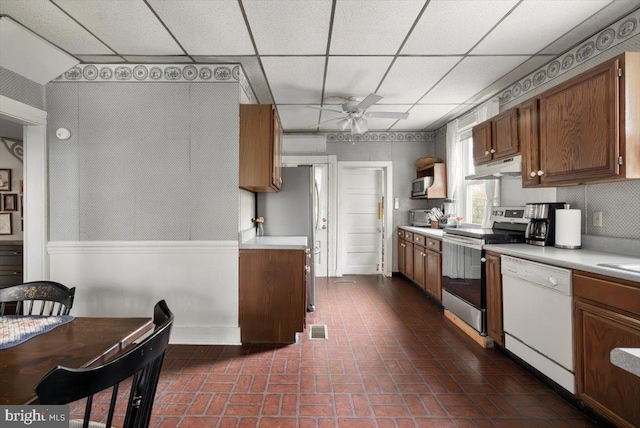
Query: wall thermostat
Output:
(63,133)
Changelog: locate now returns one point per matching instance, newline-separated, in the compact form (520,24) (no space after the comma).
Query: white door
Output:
(321,218)
(362,192)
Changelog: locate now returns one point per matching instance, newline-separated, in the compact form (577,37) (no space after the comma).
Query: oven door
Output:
(463,280)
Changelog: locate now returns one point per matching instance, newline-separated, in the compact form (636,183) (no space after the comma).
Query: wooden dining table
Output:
(83,342)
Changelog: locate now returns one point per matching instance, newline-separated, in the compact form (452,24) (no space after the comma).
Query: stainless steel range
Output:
(463,263)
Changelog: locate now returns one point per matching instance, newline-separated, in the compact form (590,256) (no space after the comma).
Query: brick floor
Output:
(391,360)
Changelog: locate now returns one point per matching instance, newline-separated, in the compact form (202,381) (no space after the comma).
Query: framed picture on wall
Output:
(10,202)
(5,179)
(5,224)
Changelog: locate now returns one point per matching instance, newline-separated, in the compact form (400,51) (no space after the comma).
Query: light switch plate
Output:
(597,219)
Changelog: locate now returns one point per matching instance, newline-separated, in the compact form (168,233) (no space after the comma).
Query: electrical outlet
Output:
(597,219)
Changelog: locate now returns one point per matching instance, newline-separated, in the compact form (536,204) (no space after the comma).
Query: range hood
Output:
(493,170)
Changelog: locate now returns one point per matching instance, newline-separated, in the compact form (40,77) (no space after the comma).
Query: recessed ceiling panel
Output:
(289,27)
(128,27)
(471,76)
(411,77)
(453,27)
(422,116)
(45,19)
(295,80)
(206,27)
(354,76)
(614,11)
(534,24)
(297,117)
(372,27)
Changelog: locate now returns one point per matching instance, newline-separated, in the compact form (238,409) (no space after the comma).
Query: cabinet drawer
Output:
(619,294)
(419,239)
(434,244)
(400,233)
(408,236)
(10,260)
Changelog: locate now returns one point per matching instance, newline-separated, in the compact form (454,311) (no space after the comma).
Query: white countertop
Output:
(433,233)
(627,359)
(586,260)
(275,243)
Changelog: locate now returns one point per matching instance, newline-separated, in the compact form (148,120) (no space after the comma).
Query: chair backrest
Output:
(142,363)
(38,298)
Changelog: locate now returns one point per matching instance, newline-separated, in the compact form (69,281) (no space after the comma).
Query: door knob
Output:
(493,150)
(486,152)
(533,173)
(540,172)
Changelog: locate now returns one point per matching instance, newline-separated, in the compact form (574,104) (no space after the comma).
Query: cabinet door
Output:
(579,128)
(504,135)
(482,143)
(408,259)
(494,298)
(277,151)
(419,261)
(609,389)
(401,256)
(528,134)
(433,280)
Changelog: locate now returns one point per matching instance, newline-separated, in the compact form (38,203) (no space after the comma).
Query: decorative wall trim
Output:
(382,136)
(441,132)
(140,247)
(14,147)
(592,47)
(153,73)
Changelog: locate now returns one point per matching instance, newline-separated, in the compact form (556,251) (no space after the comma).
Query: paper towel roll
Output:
(568,229)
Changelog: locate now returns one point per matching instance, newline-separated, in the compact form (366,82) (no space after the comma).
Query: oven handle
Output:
(476,244)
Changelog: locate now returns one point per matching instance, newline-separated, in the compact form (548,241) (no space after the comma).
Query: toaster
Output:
(419,218)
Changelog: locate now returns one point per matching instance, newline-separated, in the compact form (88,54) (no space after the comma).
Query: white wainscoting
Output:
(198,279)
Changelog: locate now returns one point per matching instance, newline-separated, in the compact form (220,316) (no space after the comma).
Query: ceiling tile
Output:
(535,24)
(45,19)
(206,27)
(151,59)
(586,29)
(453,27)
(128,27)
(421,116)
(289,27)
(297,117)
(295,80)
(354,76)
(410,77)
(100,59)
(372,27)
(471,76)
(251,68)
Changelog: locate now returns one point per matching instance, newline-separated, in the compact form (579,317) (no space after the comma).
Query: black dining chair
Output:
(141,363)
(36,298)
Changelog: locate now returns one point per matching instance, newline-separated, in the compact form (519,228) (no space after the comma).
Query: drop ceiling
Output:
(432,59)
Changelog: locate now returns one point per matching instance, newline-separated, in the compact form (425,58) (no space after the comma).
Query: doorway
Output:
(364,232)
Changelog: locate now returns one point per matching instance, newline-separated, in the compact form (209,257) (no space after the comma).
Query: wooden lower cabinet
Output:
(401,263)
(606,316)
(419,265)
(494,298)
(433,277)
(273,295)
(408,259)
(420,260)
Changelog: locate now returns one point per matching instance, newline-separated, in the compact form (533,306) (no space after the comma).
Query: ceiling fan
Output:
(354,111)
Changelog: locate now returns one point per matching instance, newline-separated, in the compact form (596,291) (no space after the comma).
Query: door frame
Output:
(332,233)
(387,242)
(34,121)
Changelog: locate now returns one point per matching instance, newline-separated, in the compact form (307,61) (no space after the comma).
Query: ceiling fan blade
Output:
(387,115)
(325,109)
(324,121)
(369,101)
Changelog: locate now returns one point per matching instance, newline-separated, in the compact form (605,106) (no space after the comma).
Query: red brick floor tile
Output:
(168,422)
(199,422)
(199,404)
(271,405)
(289,405)
(278,423)
(356,423)
(462,410)
(434,423)
(242,410)
(316,410)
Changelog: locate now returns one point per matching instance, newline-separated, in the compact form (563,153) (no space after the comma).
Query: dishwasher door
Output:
(537,311)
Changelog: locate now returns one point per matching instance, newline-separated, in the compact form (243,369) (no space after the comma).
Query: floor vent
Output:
(318,332)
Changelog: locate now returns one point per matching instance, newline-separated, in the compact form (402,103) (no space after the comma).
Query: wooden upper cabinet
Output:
(482,143)
(260,148)
(504,135)
(529,135)
(589,125)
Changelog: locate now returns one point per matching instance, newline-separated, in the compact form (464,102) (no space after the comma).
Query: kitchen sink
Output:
(633,267)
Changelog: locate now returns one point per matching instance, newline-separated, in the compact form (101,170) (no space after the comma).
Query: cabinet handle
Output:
(493,150)
(17,253)
(423,255)
(307,251)
(486,152)
(417,239)
(533,173)
(540,172)
(307,269)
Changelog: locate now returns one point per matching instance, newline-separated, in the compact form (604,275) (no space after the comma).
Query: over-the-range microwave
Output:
(420,185)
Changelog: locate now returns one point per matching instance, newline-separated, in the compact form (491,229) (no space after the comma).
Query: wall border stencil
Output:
(16,148)
(613,35)
(382,136)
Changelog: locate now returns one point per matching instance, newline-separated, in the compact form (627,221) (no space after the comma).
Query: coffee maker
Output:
(541,229)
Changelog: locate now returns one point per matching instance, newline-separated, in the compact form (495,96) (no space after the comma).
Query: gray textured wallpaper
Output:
(146,161)
(21,89)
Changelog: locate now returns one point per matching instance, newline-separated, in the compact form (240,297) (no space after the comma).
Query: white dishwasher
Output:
(537,307)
